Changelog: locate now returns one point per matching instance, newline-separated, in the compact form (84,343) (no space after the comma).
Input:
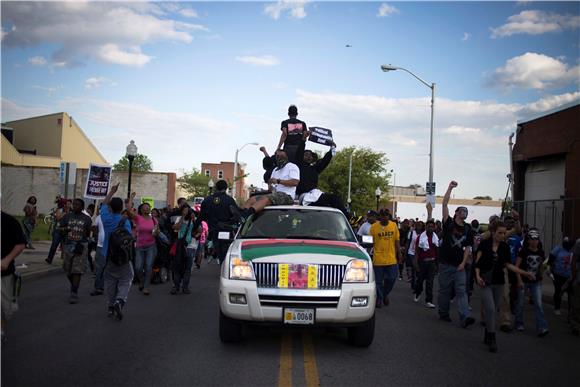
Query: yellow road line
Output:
(310,369)
(285,368)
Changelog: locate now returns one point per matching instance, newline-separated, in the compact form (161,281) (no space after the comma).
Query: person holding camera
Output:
(76,227)
(493,255)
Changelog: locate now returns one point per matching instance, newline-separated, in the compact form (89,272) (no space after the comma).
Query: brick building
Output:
(225,170)
(546,163)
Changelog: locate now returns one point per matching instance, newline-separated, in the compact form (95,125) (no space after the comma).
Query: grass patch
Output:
(40,232)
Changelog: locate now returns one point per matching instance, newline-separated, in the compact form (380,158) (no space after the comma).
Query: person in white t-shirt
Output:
(283,182)
(100,258)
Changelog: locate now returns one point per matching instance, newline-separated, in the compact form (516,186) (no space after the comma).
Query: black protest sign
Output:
(98,181)
(321,135)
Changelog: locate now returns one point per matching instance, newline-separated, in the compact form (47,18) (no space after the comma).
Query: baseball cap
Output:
(372,213)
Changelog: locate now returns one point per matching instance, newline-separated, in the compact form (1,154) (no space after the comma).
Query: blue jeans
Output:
(385,278)
(100,261)
(536,294)
(450,278)
(144,264)
(56,239)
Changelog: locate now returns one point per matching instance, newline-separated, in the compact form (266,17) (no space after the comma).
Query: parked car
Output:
(297,265)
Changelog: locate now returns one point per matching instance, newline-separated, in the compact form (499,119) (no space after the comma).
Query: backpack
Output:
(120,249)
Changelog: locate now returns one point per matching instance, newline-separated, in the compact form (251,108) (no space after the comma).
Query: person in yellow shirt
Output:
(386,255)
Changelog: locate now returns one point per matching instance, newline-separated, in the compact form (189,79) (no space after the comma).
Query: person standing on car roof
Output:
(294,134)
(216,211)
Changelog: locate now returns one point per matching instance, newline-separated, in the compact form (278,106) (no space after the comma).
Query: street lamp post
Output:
(348,200)
(378,195)
(394,188)
(387,68)
(210,185)
(131,153)
(236,167)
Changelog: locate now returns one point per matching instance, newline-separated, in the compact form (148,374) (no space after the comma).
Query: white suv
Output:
(297,265)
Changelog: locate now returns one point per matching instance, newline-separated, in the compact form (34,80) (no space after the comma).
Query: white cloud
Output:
(12,111)
(295,8)
(106,31)
(188,12)
(96,82)
(466,36)
(387,10)
(50,90)
(536,22)
(37,61)
(533,71)
(264,60)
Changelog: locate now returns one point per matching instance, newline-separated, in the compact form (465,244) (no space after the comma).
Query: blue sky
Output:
(190,82)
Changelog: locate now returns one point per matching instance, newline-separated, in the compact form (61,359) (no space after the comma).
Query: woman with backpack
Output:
(183,250)
(146,247)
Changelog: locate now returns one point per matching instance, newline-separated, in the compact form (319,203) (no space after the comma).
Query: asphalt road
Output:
(169,340)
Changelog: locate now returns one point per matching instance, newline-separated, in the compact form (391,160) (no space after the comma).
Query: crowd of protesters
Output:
(143,245)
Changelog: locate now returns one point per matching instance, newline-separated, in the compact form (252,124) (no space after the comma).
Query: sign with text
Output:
(98,181)
(321,136)
(430,188)
(149,200)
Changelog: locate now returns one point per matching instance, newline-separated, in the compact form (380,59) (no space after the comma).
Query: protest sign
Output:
(149,200)
(320,135)
(98,181)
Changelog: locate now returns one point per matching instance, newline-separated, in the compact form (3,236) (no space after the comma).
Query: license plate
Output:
(298,316)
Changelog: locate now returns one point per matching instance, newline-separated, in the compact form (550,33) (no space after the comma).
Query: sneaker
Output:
(378,304)
(416,298)
(430,305)
(386,301)
(146,292)
(73,298)
(520,328)
(110,312)
(469,307)
(174,291)
(557,312)
(49,261)
(400,278)
(96,292)
(467,322)
(118,310)
(543,332)
(445,318)
(186,291)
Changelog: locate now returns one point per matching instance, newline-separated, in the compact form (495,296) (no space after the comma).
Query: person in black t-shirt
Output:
(457,240)
(530,259)
(493,255)
(13,243)
(294,135)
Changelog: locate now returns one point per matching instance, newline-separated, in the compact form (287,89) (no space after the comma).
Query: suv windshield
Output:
(298,224)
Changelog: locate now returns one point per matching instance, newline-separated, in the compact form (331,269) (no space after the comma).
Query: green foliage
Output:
(142,163)
(482,198)
(368,172)
(194,183)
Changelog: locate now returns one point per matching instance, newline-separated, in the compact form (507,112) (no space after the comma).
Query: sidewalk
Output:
(31,264)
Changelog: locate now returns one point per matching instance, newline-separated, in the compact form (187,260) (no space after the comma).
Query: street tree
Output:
(194,183)
(483,198)
(369,171)
(141,163)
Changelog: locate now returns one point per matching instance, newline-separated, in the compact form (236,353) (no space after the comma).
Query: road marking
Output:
(285,368)
(310,369)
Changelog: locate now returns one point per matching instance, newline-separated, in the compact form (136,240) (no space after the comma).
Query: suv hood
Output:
(259,248)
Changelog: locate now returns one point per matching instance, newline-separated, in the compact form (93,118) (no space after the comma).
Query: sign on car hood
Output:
(267,248)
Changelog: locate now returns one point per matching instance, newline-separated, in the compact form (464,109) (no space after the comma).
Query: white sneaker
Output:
(416,298)
(430,305)
(557,312)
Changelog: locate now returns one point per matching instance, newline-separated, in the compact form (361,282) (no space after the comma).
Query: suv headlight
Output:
(357,270)
(240,269)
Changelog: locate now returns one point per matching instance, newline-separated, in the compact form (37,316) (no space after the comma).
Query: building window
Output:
(220,174)
(207,173)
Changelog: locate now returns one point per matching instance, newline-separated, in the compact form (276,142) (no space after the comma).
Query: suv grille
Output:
(329,276)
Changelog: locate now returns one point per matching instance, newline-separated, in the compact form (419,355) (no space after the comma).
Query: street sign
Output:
(62,172)
(430,188)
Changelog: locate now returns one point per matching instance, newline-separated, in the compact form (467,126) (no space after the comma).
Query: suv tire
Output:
(230,330)
(363,334)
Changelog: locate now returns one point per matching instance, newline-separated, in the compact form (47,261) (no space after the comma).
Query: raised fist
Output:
(453,184)
(262,149)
